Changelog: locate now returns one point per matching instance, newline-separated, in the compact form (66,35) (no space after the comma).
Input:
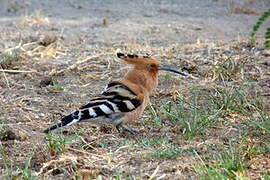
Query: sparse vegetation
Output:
(153,142)
(266,176)
(57,87)
(170,152)
(27,173)
(231,99)
(155,119)
(227,69)
(261,123)
(200,119)
(263,18)
(57,144)
(3,131)
(35,19)
(192,117)
(226,165)
(12,171)
(10,58)
(211,124)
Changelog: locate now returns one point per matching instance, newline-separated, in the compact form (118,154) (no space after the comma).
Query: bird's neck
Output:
(146,79)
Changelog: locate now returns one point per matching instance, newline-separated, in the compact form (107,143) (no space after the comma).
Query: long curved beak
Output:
(171,70)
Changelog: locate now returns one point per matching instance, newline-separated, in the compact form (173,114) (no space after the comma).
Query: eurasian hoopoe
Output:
(122,100)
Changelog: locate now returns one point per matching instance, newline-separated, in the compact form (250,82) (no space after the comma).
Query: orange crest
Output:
(140,62)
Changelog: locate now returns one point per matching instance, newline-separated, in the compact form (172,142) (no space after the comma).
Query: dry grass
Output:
(35,19)
(245,7)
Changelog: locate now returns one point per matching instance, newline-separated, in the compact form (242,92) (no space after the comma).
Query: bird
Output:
(123,100)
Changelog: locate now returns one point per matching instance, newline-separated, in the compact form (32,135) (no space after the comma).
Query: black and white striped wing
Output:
(116,99)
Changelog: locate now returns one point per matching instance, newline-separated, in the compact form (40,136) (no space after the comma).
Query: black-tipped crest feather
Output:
(122,55)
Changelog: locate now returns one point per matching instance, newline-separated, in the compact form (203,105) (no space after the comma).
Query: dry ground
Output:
(213,124)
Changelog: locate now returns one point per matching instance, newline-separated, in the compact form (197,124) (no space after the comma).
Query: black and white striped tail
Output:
(116,99)
(66,121)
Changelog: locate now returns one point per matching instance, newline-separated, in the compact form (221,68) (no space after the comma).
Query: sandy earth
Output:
(157,23)
(86,28)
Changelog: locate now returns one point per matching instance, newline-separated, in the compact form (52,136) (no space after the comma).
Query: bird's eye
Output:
(151,65)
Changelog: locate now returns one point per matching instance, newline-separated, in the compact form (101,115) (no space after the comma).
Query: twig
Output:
(81,62)
(161,177)
(154,173)
(16,47)
(16,71)
(61,159)
(87,143)
(5,78)
(192,77)
(29,44)
(153,110)
(84,152)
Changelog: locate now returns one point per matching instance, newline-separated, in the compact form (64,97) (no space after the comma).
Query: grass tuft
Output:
(12,171)
(3,131)
(193,118)
(170,152)
(57,144)
(261,124)
(226,165)
(27,174)
(10,58)
(35,19)
(153,142)
(57,87)
(228,68)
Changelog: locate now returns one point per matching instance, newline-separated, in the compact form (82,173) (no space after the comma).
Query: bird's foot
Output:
(122,130)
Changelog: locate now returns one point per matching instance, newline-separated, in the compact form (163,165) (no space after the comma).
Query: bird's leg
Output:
(122,129)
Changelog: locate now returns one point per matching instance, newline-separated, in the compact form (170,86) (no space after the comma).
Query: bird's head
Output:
(145,63)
